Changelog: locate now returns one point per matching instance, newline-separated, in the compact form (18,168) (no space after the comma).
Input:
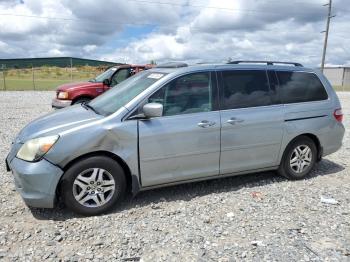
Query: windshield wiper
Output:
(87,106)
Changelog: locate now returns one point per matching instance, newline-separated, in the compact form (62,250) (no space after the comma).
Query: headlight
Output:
(62,95)
(34,149)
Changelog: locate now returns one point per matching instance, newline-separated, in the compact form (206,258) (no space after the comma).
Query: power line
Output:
(194,28)
(216,7)
(294,2)
(161,3)
(116,23)
(142,24)
(64,19)
(158,3)
(92,21)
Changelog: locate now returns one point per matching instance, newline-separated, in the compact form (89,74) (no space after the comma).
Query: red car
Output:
(74,93)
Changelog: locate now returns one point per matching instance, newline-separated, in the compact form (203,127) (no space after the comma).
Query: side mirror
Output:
(106,82)
(153,110)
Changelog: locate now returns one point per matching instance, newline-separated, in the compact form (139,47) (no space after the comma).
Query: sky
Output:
(139,31)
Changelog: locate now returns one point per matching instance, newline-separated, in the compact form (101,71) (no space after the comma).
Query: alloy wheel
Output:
(94,187)
(300,158)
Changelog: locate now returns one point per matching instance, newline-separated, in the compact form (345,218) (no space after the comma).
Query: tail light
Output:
(338,115)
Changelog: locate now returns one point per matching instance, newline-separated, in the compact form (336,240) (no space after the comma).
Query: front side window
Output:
(187,94)
(105,75)
(120,76)
(245,88)
(296,87)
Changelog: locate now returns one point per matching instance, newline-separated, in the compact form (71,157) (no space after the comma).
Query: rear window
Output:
(296,87)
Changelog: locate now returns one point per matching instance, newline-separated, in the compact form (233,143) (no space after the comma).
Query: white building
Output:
(338,76)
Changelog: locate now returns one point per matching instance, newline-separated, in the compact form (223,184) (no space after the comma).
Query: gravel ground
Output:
(254,217)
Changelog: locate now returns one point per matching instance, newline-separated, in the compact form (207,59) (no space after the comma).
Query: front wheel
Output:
(92,186)
(298,159)
(81,100)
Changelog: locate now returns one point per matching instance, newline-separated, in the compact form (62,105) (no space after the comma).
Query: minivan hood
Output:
(57,121)
(66,87)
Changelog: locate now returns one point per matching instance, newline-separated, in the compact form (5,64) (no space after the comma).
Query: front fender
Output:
(117,138)
(91,92)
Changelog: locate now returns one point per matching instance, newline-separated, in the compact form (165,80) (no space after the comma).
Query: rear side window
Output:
(245,88)
(296,87)
(275,96)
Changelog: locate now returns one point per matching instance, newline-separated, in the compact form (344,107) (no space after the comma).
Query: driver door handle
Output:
(205,123)
(234,121)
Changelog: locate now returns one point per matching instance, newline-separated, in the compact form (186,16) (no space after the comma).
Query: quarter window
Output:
(296,87)
(245,88)
(187,94)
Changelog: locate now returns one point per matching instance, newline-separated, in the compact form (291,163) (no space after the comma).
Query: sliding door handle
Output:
(205,123)
(234,121)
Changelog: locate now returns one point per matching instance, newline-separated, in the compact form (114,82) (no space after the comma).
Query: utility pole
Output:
(3,75)
(71,69)
(326,33)
(33,77)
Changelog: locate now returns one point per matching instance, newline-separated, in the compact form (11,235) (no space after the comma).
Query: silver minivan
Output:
(177,124)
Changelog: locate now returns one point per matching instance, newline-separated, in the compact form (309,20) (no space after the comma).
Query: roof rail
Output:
(172,65)
(266,62)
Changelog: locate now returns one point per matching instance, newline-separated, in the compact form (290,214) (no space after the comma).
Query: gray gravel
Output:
(254,217)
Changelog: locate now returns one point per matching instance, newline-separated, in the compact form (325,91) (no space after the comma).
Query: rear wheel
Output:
(92,186)
(298,159)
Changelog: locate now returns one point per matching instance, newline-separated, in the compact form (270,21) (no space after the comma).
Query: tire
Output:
(81,100)
(296,162)
(91,181)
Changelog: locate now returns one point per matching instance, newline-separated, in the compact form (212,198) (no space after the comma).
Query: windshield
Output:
(112,100)
(106,74)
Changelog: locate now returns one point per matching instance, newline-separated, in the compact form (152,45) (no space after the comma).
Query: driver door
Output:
(184,143)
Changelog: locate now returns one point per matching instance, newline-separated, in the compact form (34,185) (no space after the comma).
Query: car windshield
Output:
(118,96)
(105,75)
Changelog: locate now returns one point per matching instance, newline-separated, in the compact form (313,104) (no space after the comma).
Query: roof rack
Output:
(172,65)
(266,62)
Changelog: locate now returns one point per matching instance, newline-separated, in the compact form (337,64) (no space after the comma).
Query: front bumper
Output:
(58,103)
(36,182)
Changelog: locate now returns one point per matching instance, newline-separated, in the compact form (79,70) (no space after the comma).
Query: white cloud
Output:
(240,29)
(155,47)
(73,27)
(277,32)
(244,44)
(89,48)
(211,20)
(55,52)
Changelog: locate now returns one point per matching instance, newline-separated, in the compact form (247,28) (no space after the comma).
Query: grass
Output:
(342,88)
(45,78)
(27,84)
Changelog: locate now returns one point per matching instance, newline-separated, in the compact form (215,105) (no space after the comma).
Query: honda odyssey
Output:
(175,124)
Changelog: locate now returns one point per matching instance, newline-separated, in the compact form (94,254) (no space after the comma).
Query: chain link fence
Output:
(45,77)
(47,73)
(49,77)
